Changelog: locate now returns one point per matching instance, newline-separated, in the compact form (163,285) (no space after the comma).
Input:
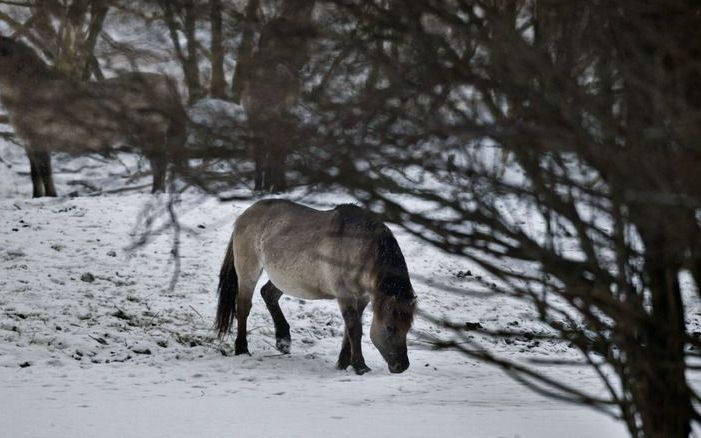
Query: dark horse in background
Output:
(346,254)
(53,113)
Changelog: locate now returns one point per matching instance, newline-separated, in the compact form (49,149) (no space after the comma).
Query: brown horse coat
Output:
(52,113)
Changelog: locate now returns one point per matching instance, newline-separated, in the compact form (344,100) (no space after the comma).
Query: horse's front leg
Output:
(37,186)
(351,351)
(46,173)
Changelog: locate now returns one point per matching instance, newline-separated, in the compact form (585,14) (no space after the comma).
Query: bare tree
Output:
(557,147)
(181,16)
(245,51)
(217,85)
(272,87)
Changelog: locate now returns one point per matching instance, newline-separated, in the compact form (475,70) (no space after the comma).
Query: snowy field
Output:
(93,343)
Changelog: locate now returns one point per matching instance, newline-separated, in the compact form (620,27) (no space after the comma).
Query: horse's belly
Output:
(60,134)
(299,287)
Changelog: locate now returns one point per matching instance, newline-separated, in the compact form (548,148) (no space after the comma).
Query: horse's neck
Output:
(11,90)
(30,84)
(19,94)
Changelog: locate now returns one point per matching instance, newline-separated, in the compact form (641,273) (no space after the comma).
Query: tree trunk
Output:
(98,13)
(272,86)
(188,60)
(657,379)
(243,60)
(270,173)
(269,154)
(218,84)
(70,54)
(42,21)
(659,384)
(192,70)
(277,180)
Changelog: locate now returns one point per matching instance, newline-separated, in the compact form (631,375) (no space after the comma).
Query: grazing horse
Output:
(53,113)
(345,254)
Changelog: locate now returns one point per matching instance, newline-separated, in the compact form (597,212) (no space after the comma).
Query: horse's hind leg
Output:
(344,359)
(248,273)
(351,351)
(243,308)
(159,167)
(271,296)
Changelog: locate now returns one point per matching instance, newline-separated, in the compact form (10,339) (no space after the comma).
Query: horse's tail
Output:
(228,289)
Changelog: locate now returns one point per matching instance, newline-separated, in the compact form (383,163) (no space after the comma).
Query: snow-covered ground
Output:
(94,343)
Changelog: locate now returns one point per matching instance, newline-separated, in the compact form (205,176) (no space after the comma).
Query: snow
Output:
(94,343)
(257,398)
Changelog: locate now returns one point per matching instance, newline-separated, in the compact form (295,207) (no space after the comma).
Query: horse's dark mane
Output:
(391,273)
(354,219)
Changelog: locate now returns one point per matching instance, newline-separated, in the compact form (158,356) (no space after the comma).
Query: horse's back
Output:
(139,91)
(302,249)
(78,117)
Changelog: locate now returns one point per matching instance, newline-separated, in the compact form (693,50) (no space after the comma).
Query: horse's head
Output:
(8,52)
(17,60)
(6,45)
(391,322)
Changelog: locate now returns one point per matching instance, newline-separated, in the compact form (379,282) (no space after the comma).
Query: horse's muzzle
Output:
(398,367)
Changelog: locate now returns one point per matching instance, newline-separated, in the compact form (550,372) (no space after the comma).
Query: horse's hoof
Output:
(241,346)
(342,365)
(360,370)
(283,345)
(241,349)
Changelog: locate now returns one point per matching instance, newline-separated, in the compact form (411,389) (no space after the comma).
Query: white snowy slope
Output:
(93,343)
